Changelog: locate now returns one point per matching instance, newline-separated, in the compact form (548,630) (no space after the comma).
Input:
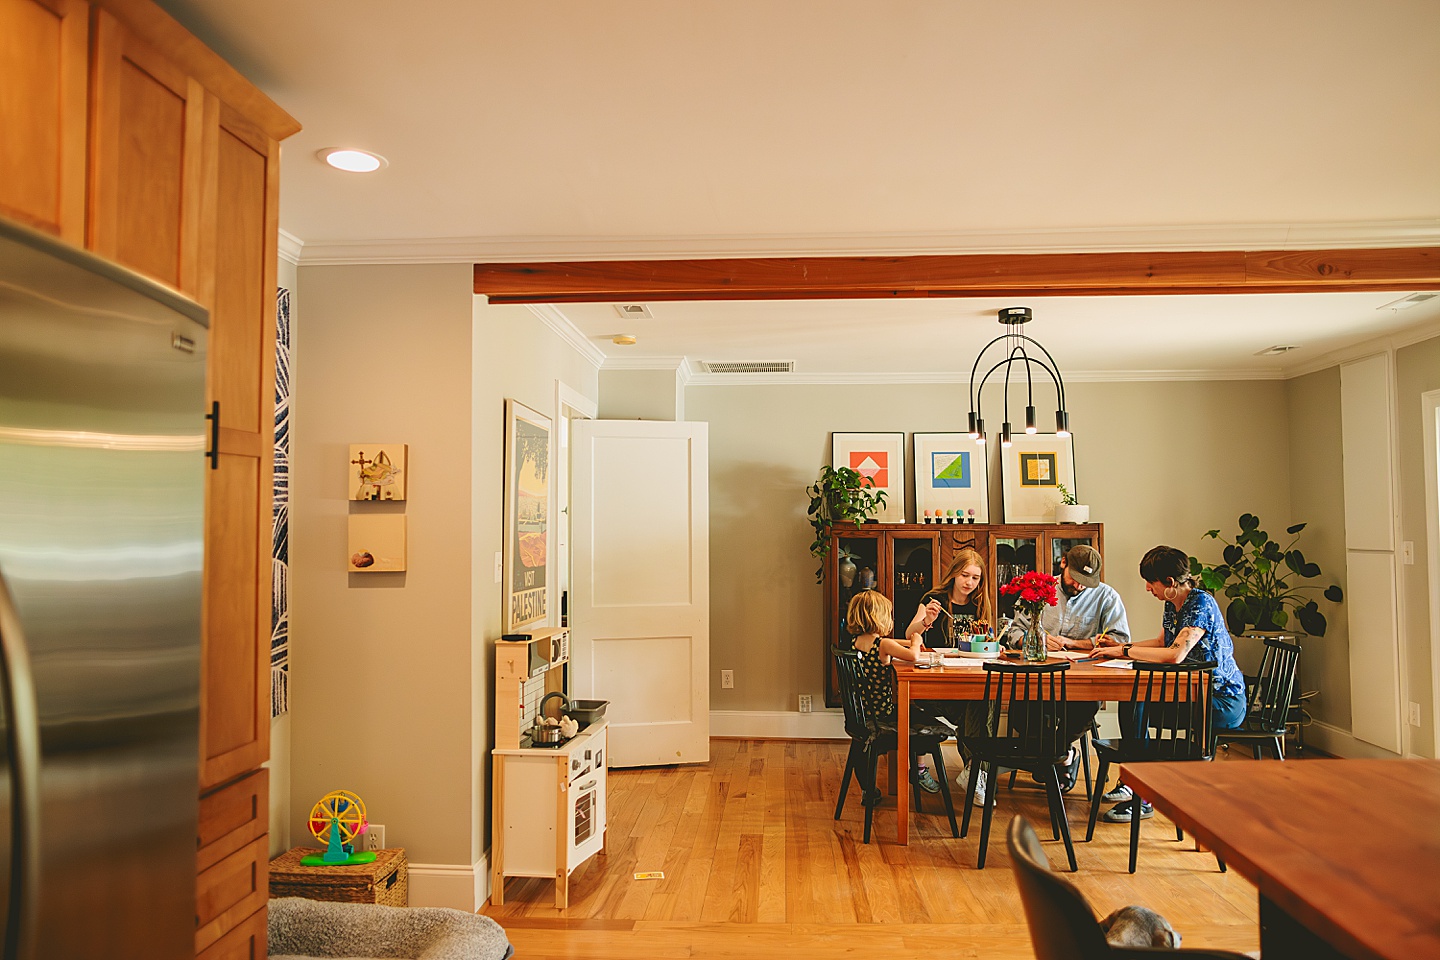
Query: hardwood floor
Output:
(755,866)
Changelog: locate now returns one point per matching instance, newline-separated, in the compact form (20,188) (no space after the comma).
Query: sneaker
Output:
(1120,794)
(962,780)
(927,781)
(1120,813)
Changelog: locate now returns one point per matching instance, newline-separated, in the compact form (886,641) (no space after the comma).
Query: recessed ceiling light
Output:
(353,161)
(1405,303)
(624,339)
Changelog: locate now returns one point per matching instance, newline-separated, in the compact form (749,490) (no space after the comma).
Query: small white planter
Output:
(1072,513)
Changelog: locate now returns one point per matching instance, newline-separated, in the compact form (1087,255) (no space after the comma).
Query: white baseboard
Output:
(778,724)
(1341,743)
(453,885)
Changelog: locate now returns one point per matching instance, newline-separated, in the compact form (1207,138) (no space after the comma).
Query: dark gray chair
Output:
(1062,925)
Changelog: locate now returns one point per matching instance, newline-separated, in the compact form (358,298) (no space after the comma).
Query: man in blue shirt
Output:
(1086,610)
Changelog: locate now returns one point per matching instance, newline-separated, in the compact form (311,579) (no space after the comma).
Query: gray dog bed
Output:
(301,928)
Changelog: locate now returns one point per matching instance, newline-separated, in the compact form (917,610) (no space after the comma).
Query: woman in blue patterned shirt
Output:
(1194,631)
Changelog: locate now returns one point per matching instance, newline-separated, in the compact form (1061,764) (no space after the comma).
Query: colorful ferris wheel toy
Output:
(337,820)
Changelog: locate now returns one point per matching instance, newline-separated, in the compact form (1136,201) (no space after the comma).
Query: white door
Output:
(640,560)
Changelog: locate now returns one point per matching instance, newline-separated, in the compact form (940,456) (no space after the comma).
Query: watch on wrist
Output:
(1125,650)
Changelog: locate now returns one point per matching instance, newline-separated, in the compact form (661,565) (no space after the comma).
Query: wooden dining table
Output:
(1345,854)
(1083,681)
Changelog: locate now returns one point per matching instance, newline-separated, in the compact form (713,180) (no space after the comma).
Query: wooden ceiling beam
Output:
(969,275)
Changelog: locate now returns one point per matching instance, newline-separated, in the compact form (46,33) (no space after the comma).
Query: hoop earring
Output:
(1171,592)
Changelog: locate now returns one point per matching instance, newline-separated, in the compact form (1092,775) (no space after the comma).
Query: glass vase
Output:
(1034,645)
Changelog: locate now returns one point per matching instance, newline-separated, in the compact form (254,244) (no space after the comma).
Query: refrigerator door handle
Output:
(213,454)
(23,731)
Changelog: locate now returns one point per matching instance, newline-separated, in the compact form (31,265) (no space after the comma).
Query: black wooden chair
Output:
(1033,740)
(1062,925)
(1084,746)
(870,739)
(1174,721)
(1270,693)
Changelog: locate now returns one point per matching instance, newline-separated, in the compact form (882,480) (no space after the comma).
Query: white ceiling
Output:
(593,129)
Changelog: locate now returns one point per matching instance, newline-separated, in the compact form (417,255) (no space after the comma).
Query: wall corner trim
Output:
(566,330)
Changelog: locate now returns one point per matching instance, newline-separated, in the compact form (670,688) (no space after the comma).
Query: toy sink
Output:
(586,712)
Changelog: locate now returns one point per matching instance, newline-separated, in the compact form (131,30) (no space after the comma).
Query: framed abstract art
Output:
(1032,469)
(880,458)
(950,477)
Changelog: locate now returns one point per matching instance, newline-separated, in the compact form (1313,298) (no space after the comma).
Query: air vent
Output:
(1405,303)
(634,311)
(1276,350)
(749,366)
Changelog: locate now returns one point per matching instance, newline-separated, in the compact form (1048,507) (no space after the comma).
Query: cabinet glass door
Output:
(1059,546)
(1013,556)
(913,573)
(857,568)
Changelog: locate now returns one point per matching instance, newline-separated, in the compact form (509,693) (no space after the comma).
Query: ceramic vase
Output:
(846,571)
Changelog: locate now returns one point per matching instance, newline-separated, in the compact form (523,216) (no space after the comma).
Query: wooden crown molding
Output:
(970,275)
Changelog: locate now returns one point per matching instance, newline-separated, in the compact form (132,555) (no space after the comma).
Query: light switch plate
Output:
(499,566)
(1407,551)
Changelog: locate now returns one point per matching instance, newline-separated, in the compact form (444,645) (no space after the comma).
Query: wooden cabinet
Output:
(120,131)
(906,560)
(44,51)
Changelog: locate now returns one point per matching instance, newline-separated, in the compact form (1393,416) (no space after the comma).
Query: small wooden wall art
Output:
(377,542)
(377,471)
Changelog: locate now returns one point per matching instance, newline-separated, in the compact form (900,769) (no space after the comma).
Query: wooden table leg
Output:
(902,779)
(1282,937)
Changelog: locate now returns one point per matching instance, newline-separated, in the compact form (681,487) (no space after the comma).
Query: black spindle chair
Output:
(1177,724)
(1270,696)
(1062,925)
(1033,739)
(870,739)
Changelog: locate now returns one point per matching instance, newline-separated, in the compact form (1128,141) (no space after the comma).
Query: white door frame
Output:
(1430,427)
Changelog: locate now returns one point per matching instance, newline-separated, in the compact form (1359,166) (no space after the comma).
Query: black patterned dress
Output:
(877,686)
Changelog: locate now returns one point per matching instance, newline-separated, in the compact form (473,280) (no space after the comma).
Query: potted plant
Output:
(1069,510)
(839,495)
(1258,576)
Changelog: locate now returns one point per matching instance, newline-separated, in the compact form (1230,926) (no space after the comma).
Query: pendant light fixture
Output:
(1014,350)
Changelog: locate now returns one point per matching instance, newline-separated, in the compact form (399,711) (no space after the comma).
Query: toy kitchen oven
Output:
(548,799)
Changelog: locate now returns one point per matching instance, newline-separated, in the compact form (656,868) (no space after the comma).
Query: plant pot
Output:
(1072,513)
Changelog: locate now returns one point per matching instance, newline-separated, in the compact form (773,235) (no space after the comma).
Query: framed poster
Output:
(950,477)
(1031,471)
(880,458)
(527,515)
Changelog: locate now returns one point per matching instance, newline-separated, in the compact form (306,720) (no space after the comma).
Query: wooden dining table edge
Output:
(1316,920)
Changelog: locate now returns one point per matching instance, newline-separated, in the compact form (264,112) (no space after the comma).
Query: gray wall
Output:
(1157,462)
(641,395)
(392,673)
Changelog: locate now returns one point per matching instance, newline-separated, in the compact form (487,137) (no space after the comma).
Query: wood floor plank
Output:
(756,866)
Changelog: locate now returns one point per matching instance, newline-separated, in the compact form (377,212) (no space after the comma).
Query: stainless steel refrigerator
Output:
(103,444)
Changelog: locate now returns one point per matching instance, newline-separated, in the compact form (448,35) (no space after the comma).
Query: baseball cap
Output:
(1083,562)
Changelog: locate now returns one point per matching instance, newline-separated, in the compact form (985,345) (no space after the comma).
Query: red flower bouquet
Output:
(1033,592)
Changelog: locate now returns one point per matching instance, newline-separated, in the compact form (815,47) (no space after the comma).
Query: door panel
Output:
(640,620)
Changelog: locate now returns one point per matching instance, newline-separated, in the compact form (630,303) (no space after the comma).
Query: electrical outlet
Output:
(375,836)
(1414,717)
(727,679)
(804,703)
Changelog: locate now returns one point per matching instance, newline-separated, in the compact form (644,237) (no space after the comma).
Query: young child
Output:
(870,618)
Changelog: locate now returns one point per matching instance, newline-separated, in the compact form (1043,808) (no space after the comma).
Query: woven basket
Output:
(385,881)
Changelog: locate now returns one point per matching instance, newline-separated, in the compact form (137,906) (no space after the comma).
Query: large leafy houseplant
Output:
(1258,576)
(839,495)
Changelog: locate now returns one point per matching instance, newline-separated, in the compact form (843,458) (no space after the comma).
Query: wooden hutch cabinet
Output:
(906,560)
(123,133)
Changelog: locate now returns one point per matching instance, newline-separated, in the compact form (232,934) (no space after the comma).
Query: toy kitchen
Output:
(548,776)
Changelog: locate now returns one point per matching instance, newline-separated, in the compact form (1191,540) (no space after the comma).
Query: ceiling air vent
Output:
(634,311)
(749,366)
(1276,350)
(1405,303)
